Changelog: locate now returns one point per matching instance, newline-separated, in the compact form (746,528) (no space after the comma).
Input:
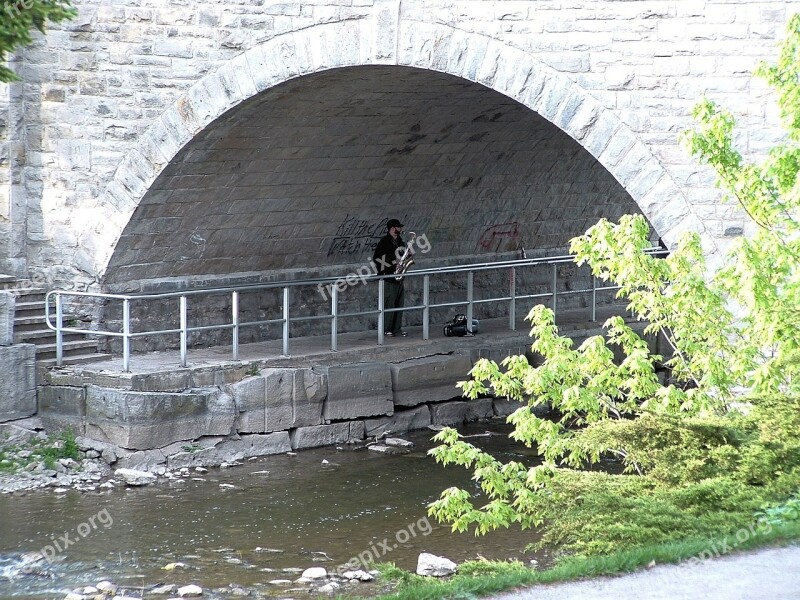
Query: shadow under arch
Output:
(434,47)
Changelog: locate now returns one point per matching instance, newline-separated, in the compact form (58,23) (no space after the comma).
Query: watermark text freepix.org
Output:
(365,271)
(721,547)
(380,549)
(62,542)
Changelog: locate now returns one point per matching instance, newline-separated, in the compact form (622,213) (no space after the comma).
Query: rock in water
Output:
(398,443)
(189,591)
(431,565)
(169,588)
(134,477)
(329,588)
(359,575)
(315,573)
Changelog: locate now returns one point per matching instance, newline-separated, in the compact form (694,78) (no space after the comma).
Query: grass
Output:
(48,450)
(479,578)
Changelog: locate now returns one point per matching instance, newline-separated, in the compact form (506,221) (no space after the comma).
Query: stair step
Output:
(71,347)
(78,359)
(43,336)
(7,280)
(37,305)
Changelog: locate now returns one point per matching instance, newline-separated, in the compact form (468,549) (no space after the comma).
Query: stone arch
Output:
(473,57)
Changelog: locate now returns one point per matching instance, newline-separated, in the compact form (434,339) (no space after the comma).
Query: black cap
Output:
(393,223)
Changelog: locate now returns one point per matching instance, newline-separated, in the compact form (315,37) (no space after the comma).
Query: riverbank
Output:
(686,569)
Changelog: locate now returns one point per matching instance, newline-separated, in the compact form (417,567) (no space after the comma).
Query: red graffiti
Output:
(494,236)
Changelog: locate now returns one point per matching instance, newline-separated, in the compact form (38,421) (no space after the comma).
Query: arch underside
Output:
(305,174)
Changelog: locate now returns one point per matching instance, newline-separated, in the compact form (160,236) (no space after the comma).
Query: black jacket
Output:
(385,255)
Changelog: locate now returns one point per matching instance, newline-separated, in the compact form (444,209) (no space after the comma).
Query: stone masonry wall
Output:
(109,99)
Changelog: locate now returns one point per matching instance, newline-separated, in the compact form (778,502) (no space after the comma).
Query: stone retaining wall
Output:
(17,367)
(316,405)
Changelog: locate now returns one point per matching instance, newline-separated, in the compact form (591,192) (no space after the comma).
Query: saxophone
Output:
(406,260)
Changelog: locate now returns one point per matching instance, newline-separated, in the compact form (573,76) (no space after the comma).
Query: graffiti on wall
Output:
(356,237)
(498,235)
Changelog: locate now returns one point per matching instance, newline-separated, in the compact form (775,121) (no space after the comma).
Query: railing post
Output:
(184,330)
(512,307)
(286,321)
(470,286)
(594,298)
(235,321)
(126,335)
(59,332)
(555,286)
(334,317)
(426,312)
(381,315)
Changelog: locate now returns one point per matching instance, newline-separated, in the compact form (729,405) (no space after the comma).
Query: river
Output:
(243,526)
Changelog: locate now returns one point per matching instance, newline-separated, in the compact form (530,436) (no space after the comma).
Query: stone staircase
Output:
(30,328)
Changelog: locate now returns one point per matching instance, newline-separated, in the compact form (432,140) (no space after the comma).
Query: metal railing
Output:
(332,284)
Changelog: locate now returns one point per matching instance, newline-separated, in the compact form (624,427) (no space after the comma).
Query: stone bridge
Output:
(159,145)
(154,143)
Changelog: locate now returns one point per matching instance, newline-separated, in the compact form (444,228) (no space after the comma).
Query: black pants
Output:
(393,298)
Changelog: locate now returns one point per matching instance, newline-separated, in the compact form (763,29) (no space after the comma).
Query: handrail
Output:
(334,315)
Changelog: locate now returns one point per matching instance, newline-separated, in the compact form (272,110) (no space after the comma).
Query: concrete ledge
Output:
(7,309)
(62,407)
(429,379)
(357,390)
(327,435)
(146,420)
(401,421)
(462,411)
(248,446)
(18,390)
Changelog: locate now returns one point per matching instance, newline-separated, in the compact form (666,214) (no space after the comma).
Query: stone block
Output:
(62,400)
(144,460)
(401,421)
(7,304)
(461,411)
(310,390)
(249,395)
(428,379)
(247,446)
(503,407)
(326,435)
(18,391)
(293,399)
(172,381)
(264,445)
(357,390)
(480,409)
(147,420)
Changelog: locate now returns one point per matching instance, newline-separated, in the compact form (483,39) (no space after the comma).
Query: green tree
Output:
(19,17)
(722,435)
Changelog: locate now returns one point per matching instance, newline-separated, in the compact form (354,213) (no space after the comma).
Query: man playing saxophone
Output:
(385,257)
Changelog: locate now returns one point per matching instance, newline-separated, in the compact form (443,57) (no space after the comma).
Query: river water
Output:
(282,512)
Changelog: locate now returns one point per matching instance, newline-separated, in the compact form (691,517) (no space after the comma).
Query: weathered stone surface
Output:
(460,411)
(232,450)
(62,407)
(503,408)
(62,400)
(146,420)
(143,460)
(7,302)
(429,379)
(17,382)
(133,477)
(357,390)
(401,421)
(293,398)
(430,565)
(249,396)
(326,435)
